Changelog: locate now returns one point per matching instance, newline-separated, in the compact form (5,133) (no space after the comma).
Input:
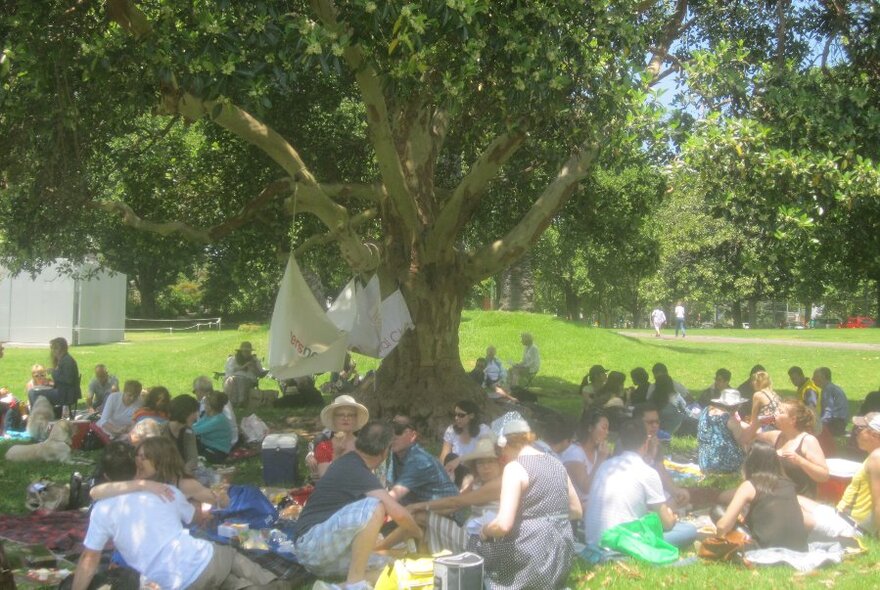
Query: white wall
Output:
(35,310)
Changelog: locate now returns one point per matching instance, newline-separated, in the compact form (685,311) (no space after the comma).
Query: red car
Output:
(858,321)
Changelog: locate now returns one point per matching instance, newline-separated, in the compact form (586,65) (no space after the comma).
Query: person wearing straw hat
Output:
(721,434)
(243,371)
(343,418)
(443,532)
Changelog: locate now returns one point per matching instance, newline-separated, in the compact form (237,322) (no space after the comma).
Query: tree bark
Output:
(146,287)
(736,313)
(808,312)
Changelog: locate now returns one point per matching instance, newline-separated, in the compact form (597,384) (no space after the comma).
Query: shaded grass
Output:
(567,351)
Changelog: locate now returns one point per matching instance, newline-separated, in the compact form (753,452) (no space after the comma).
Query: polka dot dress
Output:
(538,551)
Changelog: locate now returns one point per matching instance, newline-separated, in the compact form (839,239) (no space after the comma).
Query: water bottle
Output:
(65,412)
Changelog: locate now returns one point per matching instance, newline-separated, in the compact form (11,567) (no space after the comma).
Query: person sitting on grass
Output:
(202,386)
(482,496)
(592,383)
(650,417)
(765,401)
(147,530)
(416,475)
(155,405)
(807,391)
(721,382)
(669,403)
(529,544)
(341,419)
(214,432)
(118,415)
(625,488)
(460,438)
(339,526)
(100,387)
(803,460)
(768,502)
(721,435)
(522,372)
(183,412)
(583,457)
(861,500)
(159,465)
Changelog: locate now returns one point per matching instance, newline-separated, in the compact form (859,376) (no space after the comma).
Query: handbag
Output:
(730,547)
(642,539)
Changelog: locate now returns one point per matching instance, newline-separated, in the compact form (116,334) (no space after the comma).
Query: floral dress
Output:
(719,451)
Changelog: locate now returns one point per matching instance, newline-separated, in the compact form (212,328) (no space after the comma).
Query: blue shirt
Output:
(422,474)
(215,432)
(834,403)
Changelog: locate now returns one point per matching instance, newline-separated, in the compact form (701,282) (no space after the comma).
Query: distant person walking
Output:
(679,319)
(658,318)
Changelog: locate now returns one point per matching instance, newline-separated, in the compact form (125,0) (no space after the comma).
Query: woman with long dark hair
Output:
(768,501)
(582,458)
(461,438)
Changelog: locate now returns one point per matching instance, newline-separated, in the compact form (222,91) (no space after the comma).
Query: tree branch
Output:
(500,254)
(378,121)
(320,239)
(670,32)
(195,234)
(466,197)
(373,193)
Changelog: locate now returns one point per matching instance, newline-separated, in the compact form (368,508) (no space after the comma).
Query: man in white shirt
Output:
(119,410)
(494,373)
(625,488)
(679,319)
(147,530)
(658,318)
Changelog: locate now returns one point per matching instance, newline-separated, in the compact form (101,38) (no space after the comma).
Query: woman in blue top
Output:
(720,434)
(214,432)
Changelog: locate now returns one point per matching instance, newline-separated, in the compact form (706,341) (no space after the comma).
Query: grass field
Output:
(567,351)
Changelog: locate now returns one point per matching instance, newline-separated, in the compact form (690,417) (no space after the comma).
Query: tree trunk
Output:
(753,313)
(146,286)
(572,303)
(736,313)
(423,376)
(808,312)
(518,286)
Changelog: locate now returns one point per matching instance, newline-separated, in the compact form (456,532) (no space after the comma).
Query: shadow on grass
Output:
(553,385)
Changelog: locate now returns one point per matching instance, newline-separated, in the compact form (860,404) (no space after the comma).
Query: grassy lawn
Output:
(567,351)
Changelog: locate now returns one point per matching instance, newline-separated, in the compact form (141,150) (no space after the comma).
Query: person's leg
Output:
(363,545)
(683,331)
(682,535)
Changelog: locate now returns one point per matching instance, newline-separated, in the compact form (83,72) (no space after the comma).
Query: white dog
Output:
(54,448)
(38,421)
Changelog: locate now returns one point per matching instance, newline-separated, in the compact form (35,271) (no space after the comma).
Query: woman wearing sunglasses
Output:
(460,439)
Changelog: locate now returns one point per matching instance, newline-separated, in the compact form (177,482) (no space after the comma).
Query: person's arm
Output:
(445,450)
(812,462)
(397,513)
(667,516)
(119,488)
(399,492)
(577,474)
(575,509)
(86,568)
(680,496)
(873,473)
(739,433)
(485,494)
(745,493)
(513,482)
(194,490)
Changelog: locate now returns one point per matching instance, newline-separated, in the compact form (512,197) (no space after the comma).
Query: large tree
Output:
(470,109)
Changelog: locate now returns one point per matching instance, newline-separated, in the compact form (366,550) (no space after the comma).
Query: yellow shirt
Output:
(807,386)
(857,500)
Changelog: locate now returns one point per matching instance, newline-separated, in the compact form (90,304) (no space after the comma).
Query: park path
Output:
(744,340)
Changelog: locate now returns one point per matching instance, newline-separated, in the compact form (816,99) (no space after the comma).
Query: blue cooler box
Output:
(280,463)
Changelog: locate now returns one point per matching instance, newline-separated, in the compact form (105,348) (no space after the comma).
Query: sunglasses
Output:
(349,415)
(400,428)
(459,414)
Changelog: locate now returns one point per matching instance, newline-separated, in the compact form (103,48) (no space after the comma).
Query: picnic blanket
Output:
(817,555)
(63,530)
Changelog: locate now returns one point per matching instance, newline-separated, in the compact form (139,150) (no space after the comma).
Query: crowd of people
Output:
(517,496)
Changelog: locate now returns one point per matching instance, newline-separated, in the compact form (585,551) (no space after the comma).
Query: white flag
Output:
(302,340)
(395,321)
(343,312)
(365,333)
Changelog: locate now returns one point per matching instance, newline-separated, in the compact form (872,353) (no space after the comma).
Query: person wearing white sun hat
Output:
(342,419)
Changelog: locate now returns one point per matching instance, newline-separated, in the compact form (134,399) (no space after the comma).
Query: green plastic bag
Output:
(642,539)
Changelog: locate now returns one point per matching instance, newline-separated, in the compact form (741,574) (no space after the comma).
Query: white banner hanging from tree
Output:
(302,340)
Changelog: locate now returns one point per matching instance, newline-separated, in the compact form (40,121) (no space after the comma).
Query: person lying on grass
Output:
(147,530)
(159,465)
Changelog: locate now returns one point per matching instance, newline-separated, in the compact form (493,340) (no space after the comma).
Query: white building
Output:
(52,304)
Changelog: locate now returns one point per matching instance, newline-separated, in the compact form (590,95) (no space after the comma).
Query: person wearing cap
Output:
(523,371)
(861,499)
(243,371)
(342,419)
(530,543)
(481,497)
(592,383)
(416,475)
(721,435)
(625,488)
(339,526)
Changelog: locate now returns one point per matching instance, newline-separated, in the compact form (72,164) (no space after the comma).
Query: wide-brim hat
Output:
(345,401)
(729,398)
(870,420)
(485,449)
(245,347)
